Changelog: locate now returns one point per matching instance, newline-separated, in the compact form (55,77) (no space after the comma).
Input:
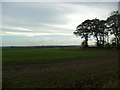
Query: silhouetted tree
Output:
(95,29)
(114,25)
(99,30)
(84,30)
(103,31)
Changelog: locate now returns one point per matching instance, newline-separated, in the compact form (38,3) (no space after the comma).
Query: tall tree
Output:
(99,30)
(103,31)
(95,29)
(84,30)
(114,25)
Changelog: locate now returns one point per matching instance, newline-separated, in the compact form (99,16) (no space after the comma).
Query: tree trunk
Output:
(97,41)
(100,39)
(118,44)
(103,40)
(86,41)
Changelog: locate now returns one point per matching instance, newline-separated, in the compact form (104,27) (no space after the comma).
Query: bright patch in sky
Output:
(49,23)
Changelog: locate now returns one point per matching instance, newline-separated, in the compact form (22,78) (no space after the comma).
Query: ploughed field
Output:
(60,68)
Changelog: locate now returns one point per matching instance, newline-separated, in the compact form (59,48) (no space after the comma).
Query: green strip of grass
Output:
(46,54)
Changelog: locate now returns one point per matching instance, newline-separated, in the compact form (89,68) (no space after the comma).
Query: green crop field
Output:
(60,68)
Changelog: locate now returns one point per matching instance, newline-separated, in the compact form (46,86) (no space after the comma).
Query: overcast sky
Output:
(48,23)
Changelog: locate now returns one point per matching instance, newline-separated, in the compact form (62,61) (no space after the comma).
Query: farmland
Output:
(60,68)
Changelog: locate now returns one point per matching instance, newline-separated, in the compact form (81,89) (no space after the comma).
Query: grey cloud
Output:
(34,13)
(35,16)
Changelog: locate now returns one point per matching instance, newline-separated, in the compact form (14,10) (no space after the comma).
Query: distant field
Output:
(60,67)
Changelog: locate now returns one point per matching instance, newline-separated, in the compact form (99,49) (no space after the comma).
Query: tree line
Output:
(100,29)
